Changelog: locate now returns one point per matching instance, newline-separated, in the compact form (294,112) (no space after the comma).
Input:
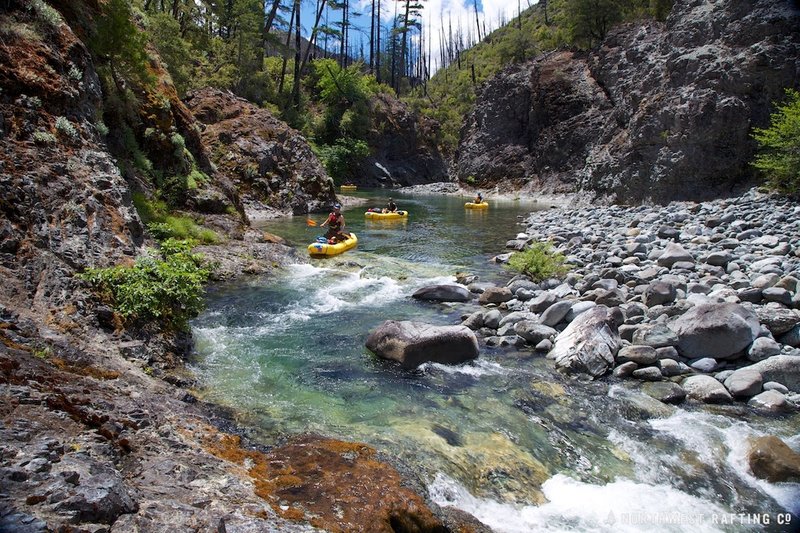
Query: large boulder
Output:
(495,295)
(413,343)
(785,369)
(443,293)
(715,330)
(706,389)
(771,459)
(588,345)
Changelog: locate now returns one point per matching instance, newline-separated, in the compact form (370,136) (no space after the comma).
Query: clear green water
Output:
(505,437)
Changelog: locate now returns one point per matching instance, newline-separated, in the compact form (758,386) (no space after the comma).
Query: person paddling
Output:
(335,223)
(479,199)
(391,207)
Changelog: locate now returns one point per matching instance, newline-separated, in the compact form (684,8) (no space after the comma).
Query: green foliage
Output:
(539,262)
(43,137)
(167,286)
(778,157)
(118,41)
(176,53)
(341,158)
(45,14)
(65,127)
(164,225)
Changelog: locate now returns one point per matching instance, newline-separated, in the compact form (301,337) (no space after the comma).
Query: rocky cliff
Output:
(271,165)
(94,433)
(658,112)
(403,148)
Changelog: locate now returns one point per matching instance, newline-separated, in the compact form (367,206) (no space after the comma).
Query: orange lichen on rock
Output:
(336,485)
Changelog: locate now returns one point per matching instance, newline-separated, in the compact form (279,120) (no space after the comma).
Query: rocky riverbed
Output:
(697,301)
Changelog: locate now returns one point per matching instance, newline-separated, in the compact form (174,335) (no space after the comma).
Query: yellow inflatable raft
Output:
(348,187)
(374,215)
(323,249)
(471,205)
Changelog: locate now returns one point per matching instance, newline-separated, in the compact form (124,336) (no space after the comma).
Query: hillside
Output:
(659,111)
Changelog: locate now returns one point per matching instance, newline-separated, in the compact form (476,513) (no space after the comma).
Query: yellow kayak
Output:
(322,249)
(348,187)
(471,205)
(386,216)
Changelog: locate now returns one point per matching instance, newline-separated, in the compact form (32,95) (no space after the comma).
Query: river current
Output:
(505,437)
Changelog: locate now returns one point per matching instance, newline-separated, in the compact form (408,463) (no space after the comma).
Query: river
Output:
(504,438)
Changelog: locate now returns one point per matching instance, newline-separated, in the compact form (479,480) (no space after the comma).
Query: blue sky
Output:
(435,14)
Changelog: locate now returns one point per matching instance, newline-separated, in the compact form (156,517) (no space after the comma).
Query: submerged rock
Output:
(771,459)
(413,343)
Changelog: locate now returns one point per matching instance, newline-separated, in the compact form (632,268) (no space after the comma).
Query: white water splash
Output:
(703,432)
(477,368)
(620,506)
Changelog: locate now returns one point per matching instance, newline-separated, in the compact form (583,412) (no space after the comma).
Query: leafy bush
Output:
(539,262)
(166,287)
(779,146)
(163,225)
(340,159)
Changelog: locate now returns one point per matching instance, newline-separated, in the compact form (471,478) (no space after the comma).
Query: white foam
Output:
(622,505)
(720,440)
(477,368)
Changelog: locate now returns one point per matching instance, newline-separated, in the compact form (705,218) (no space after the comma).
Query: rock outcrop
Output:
(403,147)
(658,112)
(271,165)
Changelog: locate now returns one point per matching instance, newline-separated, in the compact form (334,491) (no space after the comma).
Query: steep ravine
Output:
(99,429)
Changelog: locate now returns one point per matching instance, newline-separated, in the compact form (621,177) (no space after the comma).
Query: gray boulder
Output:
(706,389)
(744,383)
(771,401)
(665,391)
(762,348)
(588,345)
(718,330)
(672,254)
(777,318)
(492,318)
(443,293)
(556,313)
(659,292)
(414,343)
(640,354)
(655,335)
(533,332)
(784,369)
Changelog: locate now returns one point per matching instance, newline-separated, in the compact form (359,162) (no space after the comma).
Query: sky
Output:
(435,14)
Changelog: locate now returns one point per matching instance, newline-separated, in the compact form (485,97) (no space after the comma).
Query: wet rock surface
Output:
(413,343)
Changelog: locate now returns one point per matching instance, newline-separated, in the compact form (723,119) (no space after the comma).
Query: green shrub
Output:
(163,225)
(167,287)
(778,157)
(539,262)
(341,159)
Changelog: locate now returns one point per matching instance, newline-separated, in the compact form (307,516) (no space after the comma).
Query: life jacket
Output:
(335,221)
